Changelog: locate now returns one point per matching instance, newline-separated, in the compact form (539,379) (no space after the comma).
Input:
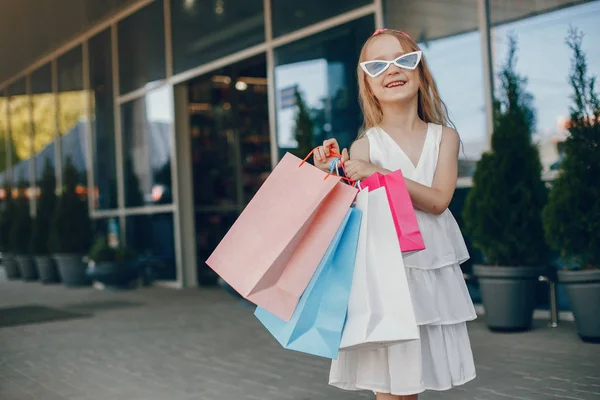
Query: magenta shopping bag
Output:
(405,219)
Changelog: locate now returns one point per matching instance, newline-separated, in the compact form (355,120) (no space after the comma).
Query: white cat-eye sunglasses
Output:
(375,68)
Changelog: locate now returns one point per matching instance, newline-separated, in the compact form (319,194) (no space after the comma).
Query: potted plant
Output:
(503,210)
(20,233)
(6,219)
(572,215)
(70,233)
(112,266)
(38,244)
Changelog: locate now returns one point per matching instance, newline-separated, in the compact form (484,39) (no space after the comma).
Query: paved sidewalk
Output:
(164,344)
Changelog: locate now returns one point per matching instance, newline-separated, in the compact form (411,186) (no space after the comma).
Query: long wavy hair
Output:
(431,107)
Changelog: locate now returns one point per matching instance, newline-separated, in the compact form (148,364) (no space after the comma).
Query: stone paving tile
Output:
(163,344)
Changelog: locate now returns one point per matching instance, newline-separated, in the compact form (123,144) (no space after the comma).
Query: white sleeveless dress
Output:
(442,358)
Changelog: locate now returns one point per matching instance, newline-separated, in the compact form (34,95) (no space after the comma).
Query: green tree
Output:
(4,153)
(45,210)
(503,209)
(572,215)
(71,230)
(20,230)
(304,129)
(7,212)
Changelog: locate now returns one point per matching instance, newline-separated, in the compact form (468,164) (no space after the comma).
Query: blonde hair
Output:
(431,107)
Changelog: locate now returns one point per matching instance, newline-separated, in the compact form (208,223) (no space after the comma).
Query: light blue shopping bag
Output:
(317,324)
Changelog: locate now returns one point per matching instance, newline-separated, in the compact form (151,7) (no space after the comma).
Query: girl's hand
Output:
(322,156)
(358,170)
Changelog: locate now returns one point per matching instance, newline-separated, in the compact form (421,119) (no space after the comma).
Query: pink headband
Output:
(381,30)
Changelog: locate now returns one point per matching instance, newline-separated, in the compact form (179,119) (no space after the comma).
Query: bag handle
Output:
(333,154)
(338,158)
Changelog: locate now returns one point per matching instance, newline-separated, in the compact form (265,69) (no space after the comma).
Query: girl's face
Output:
(395,84)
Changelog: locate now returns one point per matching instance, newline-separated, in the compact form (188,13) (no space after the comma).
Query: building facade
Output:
(175,111)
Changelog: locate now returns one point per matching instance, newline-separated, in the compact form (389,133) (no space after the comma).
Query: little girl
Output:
(406,128)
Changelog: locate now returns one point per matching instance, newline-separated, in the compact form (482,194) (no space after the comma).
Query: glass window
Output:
(452,49)
(20,128)
(44,120)
(107,228)
(230,147)
(455,43)
(322,69)
(289,16)
(142,48)
(103,123)
(147,142)
(545,60)
(462,91)
(97,10)
(3,138)
(152,236)
(204,30)
(72,114)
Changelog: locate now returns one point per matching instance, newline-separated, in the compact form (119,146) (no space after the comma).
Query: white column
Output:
(118,131)
(185,222)
(31,160)
(379,23)
(483,9)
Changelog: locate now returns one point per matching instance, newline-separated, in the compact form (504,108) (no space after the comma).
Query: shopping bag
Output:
(380,310)
(405,219)
(317,323)
(272,250)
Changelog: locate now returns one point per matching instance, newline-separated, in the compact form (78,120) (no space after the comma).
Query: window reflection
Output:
(72,114)
(321,72)
(44,120)
(239,25)
(103,124)
(461,88)
(231,155)
(448,34)
(545,60)
(3,142)
(230,149)
(142,48)
(289,16)
(453,52)
(152,237)
(20,128)
(147,131)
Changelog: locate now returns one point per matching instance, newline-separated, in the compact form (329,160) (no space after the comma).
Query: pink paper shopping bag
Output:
(405,219)
(272,250)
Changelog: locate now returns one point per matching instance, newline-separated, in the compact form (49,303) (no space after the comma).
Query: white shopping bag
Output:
(380,310)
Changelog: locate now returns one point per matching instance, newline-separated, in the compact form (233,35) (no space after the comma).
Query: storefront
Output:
(175,111)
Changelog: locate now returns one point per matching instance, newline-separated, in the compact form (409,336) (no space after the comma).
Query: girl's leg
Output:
(387,396)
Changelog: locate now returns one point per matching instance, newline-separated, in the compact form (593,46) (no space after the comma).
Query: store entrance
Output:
(230,149)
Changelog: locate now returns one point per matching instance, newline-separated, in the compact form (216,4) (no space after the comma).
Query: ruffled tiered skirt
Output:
(442,357)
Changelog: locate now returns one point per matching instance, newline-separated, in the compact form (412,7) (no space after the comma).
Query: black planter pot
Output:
(72,270)
(27,267)
(11,267)
(112,274)
(508,295)
(47,269)
(583,289)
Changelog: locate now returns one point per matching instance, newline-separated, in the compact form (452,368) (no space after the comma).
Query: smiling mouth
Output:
(395,84)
